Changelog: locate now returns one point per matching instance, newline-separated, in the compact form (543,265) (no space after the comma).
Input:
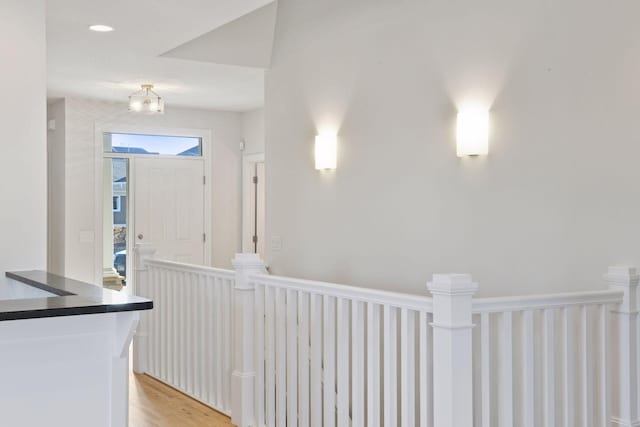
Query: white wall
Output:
(23,192)
(554,203)
(83,116)
(56,188)
(253,131)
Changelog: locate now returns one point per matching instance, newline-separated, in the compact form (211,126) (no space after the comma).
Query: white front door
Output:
(169,207)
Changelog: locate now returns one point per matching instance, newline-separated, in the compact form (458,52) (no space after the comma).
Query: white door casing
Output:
(259,202)
(253,203)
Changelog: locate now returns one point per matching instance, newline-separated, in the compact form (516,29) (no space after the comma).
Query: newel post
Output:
(625,409)
(452,346)
(143,252)
(243,377)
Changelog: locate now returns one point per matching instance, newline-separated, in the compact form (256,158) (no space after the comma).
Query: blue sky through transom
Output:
(155,144)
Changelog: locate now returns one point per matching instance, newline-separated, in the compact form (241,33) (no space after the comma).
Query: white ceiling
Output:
(142,49)
(246,41)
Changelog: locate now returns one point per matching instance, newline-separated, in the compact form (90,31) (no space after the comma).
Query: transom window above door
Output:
(131,143)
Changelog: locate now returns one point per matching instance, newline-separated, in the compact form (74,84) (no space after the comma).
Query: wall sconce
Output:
(473,132)
(326,150)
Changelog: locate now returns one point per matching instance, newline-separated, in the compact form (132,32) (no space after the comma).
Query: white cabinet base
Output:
(69,371)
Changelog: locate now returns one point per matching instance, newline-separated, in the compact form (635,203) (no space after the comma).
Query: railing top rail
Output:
(191,268)
(538,302)
(395,299)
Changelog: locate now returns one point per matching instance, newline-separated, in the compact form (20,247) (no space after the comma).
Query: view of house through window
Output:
(115,222)
(152,144)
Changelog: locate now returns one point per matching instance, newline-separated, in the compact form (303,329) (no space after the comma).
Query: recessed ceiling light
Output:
(101,28)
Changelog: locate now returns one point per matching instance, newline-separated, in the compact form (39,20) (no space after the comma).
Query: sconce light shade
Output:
(326,151)
(473,132)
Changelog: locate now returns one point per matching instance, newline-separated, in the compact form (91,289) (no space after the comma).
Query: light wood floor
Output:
(153,404)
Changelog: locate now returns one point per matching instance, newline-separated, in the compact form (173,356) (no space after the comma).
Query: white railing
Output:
(188,333)
(342,354)
(277,351)
(543,360)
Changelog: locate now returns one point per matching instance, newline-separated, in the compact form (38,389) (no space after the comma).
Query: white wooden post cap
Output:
(247,261)
(622,275)
(145,248)
(246,265)
(452,284)
(144,251)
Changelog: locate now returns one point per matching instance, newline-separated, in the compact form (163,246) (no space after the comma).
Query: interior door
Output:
(169,207)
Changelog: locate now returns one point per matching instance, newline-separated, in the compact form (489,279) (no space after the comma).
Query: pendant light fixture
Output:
(146,101)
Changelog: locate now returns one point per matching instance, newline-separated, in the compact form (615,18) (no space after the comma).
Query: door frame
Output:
(248,160)
(100,155)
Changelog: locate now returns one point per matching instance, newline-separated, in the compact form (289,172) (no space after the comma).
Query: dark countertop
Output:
(74,298)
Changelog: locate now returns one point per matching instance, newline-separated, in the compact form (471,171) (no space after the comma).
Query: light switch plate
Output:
(86,236)
(276,243)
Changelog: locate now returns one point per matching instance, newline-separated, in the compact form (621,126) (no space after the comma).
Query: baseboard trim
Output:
(624,423)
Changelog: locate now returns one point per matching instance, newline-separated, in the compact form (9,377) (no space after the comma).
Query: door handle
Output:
(140,236)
